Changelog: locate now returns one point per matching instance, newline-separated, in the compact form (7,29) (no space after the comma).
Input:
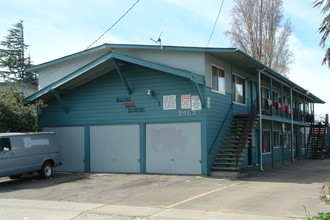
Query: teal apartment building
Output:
(171,110)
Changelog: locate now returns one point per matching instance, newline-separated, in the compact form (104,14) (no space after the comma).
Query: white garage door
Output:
(173,148)
(115,148)
(72,142)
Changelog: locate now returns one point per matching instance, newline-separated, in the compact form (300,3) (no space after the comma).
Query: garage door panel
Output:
(115,148)
(72,142)
(173,148)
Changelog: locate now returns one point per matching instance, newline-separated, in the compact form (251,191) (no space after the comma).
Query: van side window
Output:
(5,142)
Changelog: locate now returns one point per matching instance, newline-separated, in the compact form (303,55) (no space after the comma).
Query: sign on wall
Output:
(195,103)
(169,102)
(185,101)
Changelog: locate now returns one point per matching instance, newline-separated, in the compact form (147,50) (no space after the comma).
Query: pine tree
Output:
(13,60)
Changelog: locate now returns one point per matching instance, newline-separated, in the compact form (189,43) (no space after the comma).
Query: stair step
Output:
(225,164)
(227,159)
(225,155)
(234,146)
(224,168)
(246,115)
(235,142)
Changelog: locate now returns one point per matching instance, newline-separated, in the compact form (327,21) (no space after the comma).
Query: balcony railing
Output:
(284,111)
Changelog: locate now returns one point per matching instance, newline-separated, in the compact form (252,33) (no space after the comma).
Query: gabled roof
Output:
(85,72)
(231,55)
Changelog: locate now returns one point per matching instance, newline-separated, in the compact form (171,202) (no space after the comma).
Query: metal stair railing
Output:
(223,122)
(244,138)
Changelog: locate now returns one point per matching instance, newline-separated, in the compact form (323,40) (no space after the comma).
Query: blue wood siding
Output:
(96,101)
(102,102)
(215,116)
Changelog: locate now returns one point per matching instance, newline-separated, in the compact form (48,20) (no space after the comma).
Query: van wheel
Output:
(46,170)
(15,177)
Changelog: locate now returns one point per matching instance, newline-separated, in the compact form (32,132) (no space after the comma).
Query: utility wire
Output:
(215,24)
(113,24)
(57,69)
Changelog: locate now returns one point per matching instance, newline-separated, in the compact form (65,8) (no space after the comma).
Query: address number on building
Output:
(186,112)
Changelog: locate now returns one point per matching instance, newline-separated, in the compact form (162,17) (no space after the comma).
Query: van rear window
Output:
(5,142)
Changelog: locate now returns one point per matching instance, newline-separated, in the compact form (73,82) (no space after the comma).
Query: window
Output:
(264,93)
(238,89)
(5,142)
(265,141)
(275,97)
(284,100)
(218,79)
(276,138)
(287,139)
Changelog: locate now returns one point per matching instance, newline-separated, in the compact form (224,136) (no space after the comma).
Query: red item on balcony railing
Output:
(280,106)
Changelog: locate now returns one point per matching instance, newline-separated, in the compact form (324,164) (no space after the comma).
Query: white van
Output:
(27,153)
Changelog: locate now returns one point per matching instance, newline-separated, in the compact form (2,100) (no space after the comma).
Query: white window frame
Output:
(221,89)
(234,89)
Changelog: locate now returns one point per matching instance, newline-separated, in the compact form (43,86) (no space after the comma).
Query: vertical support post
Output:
(271,94)
(305,142)
(87,149)
(272,141)
(313,113)
(282,101)
(260,121)
(272,122)
(291,141)
(298,144)
(142,148)
(304,109)
(298,106)
(282,141)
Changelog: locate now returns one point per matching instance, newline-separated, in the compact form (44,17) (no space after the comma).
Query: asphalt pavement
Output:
(284,192)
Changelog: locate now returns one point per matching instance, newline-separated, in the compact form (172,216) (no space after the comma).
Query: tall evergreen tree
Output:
(13,60)
(257,29)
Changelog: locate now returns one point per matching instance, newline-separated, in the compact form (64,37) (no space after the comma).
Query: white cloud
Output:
(308,72)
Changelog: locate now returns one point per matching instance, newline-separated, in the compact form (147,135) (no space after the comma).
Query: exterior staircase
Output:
(317,147)
(237,139)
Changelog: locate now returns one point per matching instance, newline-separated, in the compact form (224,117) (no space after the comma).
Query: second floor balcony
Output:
(277,109)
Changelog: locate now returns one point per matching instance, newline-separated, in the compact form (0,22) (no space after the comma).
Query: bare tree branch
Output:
(256,28)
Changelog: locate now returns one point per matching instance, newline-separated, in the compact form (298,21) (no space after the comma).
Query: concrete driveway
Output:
(284,192)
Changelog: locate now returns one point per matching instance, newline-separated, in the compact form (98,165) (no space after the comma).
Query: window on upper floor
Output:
(275,97)
(218,79)
(238,89)
(264,92)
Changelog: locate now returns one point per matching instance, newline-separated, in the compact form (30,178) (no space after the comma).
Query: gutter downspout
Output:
(260,120)
(291,141)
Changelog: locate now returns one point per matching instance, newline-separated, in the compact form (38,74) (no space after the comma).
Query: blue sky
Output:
(57,28)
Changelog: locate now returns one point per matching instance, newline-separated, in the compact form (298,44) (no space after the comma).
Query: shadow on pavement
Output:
(301,171)
(36,182)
